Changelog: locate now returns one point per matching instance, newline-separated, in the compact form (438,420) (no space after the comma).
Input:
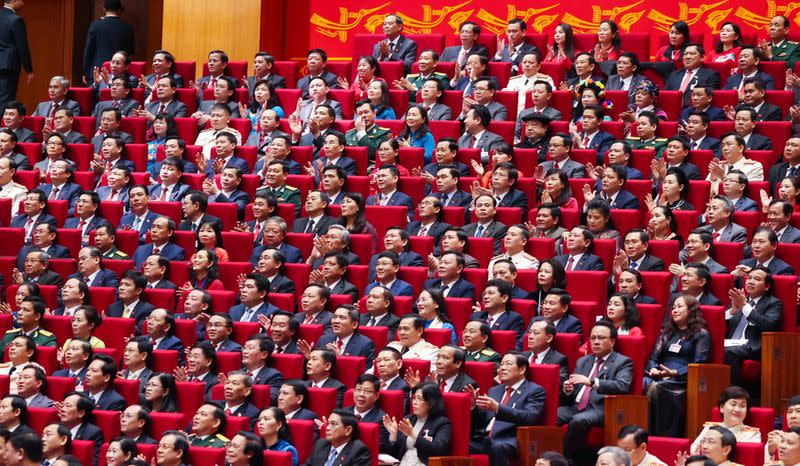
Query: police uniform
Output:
(211,441)
(656,144)
(650,460)
(522,260)
(40,336)
(115,254)
(372,140)
(788,51)
(14,191)
(742,432)
(207,137)
(484,355)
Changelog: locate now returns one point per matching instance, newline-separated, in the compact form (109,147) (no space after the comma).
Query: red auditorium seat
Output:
(186,331)
(715,323)
(60,326)
(727,254)
(667,448)
(667,251)
(165,360)
(303,438)
(482,373)
(384,217)
(290,365)
(437,336)
(289,70)
(566,344)
(204,456)
(83,450)
(235,424)
(108,421)
(162,422)
(243,330)
(228,213)
(458,408)
(57,387)
(129,389)
(656,285)
(160,298)
(547,376)
(392,402)
(378,335)
(459,311)
(481,249)
(504,341)
(39,418)
(349,368)
(229,361)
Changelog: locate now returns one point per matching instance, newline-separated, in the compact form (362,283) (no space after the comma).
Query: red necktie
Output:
(585,142)
(423,230)
(715,237)
(162,108)
(570,263)
(257,229)
(309,319)
(115,104)
(81,225)
(339,345)
(113,195)
(54,193)
(156,250)
(228,412)
(583,402)
(442,386)
(507,396)
(154,343)
(163,196)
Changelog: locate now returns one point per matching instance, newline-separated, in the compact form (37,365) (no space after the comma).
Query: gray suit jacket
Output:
(572,168)
(305,109)
(615,84)
(175,108)
(487,140)
(440,112)
(126,106)
(43,109)
(40,401)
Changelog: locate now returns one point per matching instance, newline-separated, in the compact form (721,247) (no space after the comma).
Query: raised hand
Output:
(342,82)
(266,324)
(305,348)
(412,378)
(738,299)
(676,269)
(477,167)
(588,193)
(390,424)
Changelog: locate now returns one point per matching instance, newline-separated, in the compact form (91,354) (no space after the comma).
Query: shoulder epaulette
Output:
(439,73)
(711,423)
(45,333)
(384,128)
(661,139)
(515,77)
(222,438)
(499,256)
(634,138)
(290,188)
(13,330)
(528,256)
(488,352)
(792,42)
(415,75)
(750,428)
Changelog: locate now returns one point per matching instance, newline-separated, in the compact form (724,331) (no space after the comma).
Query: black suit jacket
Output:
(702,76)
(766,317)
(649,263)
(320,228)
(105,37)
(91,432)
(14,51)
(110,400)
(354,453)
(587,262)
(759,142)
(554,357)
(47,278)
(524,408)
(389,321)
(438,429)
(494,229)
(436,229)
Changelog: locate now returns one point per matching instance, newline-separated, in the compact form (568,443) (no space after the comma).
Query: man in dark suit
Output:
(344,337)
(749,57)
(444,156)
(790,165)
(14,52)
(386,178)
(447,193)
(271,266)
(312,306)
(37,270)
(603,372)
(57,93)
(483,91)
(76,417)
(763,246)
(754,90)
(450,370)
(532,122)
(99,384)
(200,359)
(229,190)
(579,251)
(253,296)
(120,99)
(385,266)
(161,234)
(486,226)
(275,230)
(516,48)
(591,136)
(379,307)
(745,124)
(219,329)
(365,407)
(194,206)
(109,126)
(331,276)
(293,400)
(396,46)
(332,155)
(91,271)
(87,217)
(316,59)
(43,240)
(61,187)
(238,394)
(753,310)
(13,116)
(476,135)
(449,280)
(29,386)
(139,218)
(320,367)
(137,353)
(341,446)
(105,37)
(555,308)
(166,101)
(778,217)
(316,220)
(256,352)
(612,190)
(161,330)
(131,303)
(469,32)
(558,151)
(541,334)
(515,402)
(163,66)
(693,74)
(635,251)
(496,300)
(135,424)
(627,77)
(262,67)
(701,102)
(430,219)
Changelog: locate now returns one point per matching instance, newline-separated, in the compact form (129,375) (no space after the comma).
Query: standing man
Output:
(105,37)
(14,51)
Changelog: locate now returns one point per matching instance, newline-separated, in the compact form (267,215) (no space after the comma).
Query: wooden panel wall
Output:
(192,29)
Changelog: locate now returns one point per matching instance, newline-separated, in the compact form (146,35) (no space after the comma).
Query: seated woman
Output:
(24,290)
(244,449)
(733,403)
(663,225)
(609,42)
(121,452)
(728,46)
(550,275)
(203,272)
(164,127)
(622,312)
(599,221)
(275,433)
(673,51)
(683,341)
(590,93)
(562,50)
(368,70)
(425,432)
(353,217)
(378,96)
(645,101)
(416,132)
(264,97)
(84,322)
(209,237)
(389,154)
(160,393)
(787,192)
(433,308)
(674,190)
(500,152)
(557,190)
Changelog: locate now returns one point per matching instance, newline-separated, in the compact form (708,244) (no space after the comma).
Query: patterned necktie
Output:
(310,226)
(570,263)
(423,230)
(479,231)
(127,312)
(583,402)
(113,195)
(163,196)
(162,108)
(156,250)
(54,193)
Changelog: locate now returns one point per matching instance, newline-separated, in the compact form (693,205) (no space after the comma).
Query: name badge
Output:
(675,348)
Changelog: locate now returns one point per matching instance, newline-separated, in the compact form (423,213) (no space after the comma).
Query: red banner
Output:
(334,23)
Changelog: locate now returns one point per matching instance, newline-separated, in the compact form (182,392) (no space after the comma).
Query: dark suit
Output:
(173,343)
(21,219)
(105,37)
(766,317)
(398,288)
(91,432)
(320,227)
(171,251)
(485,143)
(405,51)
(271,377)
(493,229)
(714,113)
(24,135)
(104,278)
(304,414)
(690,170)
(515,198)
(569,324)
(439,112)
(97,142)
(126,106)
(625,200)
(237,312)
(281,284)
(293,255)
(614,378)
(507,320)
(69,191)
(359,345)
(144,227)
(389,321)
(329,78)
(348,165)
(704,77)
(614,83)
(706,299)
(55,251)
(506,55)
(151,79)
(459,289)
(277,81)
(769,112)
(553,357)
(758,142)
(778,172)
(140,312)
(330,382)
(398,198)
(458,198)
(600,142)
(238,197)
(246,410)
(323,318)
(734,80)
(572,168)
(438,429)
(110,400)
(186,225)
(524,408)
(175,108)
(587,261)
(144,376)
(450,54)
(345,287)
(354,453)
(436,229)
(14,54)
(790,235)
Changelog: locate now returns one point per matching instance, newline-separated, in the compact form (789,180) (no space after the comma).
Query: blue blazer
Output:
(348,165)
(235,161)
(709,143)
(176,195)
(237,311)
(734,80)
(776,266)
(130,217)
(74,222)
(173,343)
(110,400)
(460,289)
(359,345)
(239,197)
(569,324)
(293,255)
(625,200)
(104,278)
(745,204)
(397,199)
(56,251)
(69,192)
(714,113)
(271,377)
(20,220)
(524,408)
(171,251)
(508,320)
(229,346)
(588,262)
(407,259)
(105,191)
(601,142)
(398,288)
(515,198)
(140,312)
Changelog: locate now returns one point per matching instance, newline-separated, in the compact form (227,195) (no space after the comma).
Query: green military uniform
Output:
(40,336)
(657,144)
(286,195)
(115,254)
(417,80)
(211,441)
(484,355)
(372,140)
(788,51)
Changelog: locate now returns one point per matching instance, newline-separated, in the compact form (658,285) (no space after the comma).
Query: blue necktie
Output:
(332,457)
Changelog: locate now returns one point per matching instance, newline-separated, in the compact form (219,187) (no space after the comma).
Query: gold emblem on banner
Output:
(347,21)
(532,16)
(759,22)
(431,18)
(692,16)
(620,14)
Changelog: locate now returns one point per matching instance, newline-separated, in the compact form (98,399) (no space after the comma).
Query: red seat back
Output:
(459,408)
(547,376)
